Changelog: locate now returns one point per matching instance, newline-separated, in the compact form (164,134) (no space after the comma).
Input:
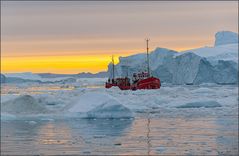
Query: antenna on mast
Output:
(147,42)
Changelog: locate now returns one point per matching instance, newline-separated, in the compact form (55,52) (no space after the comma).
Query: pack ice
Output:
(218,64)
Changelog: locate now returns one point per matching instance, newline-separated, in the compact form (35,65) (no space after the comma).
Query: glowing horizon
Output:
(73,37)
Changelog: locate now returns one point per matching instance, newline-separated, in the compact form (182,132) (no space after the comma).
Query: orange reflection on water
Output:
(172,136)
(51,135)
(33,89)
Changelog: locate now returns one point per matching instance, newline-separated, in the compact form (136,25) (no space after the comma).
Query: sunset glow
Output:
(74,37)
(58,64)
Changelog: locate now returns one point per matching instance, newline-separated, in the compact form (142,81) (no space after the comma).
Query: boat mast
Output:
(127,69)
(147,41)
(126,65)
(113,66)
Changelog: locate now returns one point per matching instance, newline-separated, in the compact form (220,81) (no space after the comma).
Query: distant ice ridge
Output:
(25,75)
(218,64)
(28,77)
(34,78)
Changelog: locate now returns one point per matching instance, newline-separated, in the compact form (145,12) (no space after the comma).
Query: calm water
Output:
(141,135)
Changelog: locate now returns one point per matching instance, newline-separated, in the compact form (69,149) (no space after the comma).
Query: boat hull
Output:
(109,85)
(148,83)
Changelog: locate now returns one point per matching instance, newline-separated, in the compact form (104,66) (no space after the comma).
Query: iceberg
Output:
(218,64)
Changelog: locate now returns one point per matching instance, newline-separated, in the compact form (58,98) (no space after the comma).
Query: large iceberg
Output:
(218,64)
(190,68)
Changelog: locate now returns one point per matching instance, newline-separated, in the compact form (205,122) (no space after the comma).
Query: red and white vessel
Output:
(142,80)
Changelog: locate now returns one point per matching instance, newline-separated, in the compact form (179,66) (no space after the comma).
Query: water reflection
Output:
(171,136)
(18,137)
(34,88)
(227,135)
(50,134)
(141,136)
(89,128)
(61,137)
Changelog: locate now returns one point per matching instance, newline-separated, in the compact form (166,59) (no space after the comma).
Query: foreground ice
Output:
(207,99)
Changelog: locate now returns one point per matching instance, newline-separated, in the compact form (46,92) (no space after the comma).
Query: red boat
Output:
(149,83)
(141,80)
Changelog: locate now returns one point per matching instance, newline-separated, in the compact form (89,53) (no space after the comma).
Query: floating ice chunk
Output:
(110,109)
(88,101)
(25,104)
(206,104)
(203,90)
(47,119)
(100,105)
(32,122)
(6,116)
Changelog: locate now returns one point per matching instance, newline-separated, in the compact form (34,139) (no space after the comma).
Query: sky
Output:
(80,36)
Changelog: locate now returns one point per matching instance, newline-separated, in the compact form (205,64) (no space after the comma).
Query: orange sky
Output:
(58,60)
(73,37)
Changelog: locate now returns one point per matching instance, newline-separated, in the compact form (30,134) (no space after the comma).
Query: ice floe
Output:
(198,104)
